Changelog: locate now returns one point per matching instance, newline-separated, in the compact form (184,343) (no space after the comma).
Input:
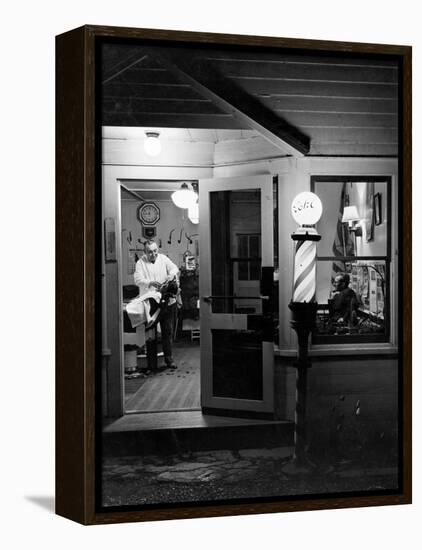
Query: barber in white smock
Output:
(151,272)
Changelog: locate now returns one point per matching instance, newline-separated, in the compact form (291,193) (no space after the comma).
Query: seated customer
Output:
(344,303)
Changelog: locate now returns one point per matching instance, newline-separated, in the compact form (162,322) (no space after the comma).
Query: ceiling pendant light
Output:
(184,197)
(152,144)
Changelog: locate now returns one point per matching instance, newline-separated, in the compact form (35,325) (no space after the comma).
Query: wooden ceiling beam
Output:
(308,71)
(310,119)
(296,88)
(171,120)
(342,60)
(247,110)
(122,69)
(136,105)
(331,104)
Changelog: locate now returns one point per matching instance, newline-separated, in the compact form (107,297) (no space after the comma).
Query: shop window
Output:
(353,260)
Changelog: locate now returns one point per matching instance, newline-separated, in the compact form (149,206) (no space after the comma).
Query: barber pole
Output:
(306,210)
(304,285)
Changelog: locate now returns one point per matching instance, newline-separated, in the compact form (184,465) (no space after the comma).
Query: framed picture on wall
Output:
(378,208)
(177,368)
(369,213)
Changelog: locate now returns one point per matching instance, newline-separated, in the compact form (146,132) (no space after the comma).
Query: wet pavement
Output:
(231,474)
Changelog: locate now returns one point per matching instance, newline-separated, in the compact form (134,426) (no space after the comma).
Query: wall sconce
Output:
(184,197)
(351,217)
(152,144)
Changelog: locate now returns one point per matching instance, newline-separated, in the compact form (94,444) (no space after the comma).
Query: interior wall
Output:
(172,219)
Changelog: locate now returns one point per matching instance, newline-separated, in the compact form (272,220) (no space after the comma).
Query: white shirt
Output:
(146,272)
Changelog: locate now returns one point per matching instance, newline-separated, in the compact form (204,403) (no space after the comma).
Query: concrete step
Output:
(189,431)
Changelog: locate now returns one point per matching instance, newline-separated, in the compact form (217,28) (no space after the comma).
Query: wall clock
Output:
(148,213)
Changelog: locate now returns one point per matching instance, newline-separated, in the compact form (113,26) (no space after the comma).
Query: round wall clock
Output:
(148,213)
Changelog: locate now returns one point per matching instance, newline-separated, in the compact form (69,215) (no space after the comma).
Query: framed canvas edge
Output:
(76,408)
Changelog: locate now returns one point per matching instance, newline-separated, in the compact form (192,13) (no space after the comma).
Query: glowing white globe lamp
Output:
(306,208)
(152,144)
(184,197)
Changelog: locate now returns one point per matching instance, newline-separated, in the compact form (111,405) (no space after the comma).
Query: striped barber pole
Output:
(304,286)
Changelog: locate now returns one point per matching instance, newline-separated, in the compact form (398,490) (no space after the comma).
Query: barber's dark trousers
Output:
(167,330)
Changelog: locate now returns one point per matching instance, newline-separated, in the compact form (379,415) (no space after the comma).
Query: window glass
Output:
(353,301)
(364,203)
(235,251)
(353,260)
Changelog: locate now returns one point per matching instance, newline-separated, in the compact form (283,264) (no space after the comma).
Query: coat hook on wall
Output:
(170,235)
(180,236)
(128,236)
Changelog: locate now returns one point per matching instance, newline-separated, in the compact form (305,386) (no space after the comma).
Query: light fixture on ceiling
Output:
(184,197)
(193,213)
(152,144)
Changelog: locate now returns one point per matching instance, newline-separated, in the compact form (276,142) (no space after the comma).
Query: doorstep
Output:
(187,431)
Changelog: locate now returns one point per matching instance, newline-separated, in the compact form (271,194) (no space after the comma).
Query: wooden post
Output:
(303,308)
(303,321)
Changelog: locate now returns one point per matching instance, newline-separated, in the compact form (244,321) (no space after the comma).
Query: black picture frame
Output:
(378,209)
(78,232)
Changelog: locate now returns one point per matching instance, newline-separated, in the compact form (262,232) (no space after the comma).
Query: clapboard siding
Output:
(357,397)
(354,149)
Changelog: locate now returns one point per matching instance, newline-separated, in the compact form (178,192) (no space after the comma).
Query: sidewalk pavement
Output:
(209,476)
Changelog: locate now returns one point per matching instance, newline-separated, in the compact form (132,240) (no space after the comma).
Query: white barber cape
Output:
(139,308)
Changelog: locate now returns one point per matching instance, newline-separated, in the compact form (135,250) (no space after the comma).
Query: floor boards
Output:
(168,390)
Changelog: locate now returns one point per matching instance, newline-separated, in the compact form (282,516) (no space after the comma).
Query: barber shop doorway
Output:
(223,346)
(148,213)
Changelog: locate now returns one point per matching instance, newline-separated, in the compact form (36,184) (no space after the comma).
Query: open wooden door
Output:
(236,282)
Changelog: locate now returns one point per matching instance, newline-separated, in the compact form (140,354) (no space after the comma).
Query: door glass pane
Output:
(243,246)
(254,271)
(254,246)
(237,364)
(243,271)
(235,251)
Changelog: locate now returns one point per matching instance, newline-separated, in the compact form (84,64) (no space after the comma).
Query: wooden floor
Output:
(168,390)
